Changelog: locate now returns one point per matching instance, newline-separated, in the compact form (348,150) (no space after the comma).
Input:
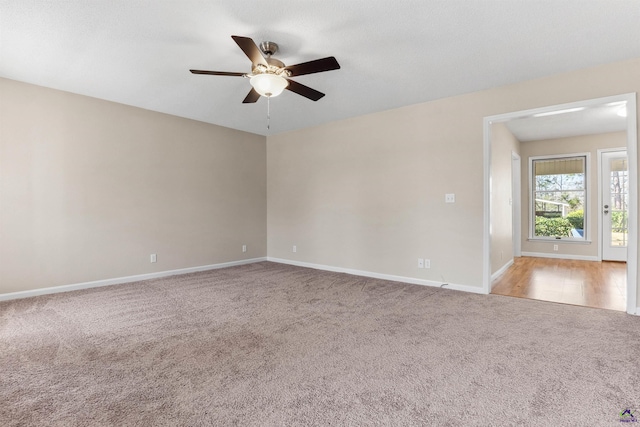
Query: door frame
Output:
(600,201)
(632,153)
(516,202)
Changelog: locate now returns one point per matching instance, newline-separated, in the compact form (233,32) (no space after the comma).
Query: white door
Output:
(615,201)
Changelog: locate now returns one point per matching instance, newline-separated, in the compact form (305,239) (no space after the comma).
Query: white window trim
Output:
(587,199)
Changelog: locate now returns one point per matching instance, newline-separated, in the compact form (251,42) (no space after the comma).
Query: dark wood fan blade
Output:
(253,96)
(250,49)
(303,90)
(217,73)
(317,66)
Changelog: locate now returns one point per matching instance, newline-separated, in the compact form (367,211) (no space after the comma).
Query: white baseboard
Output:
(465,288)
(120,280)
(500,272)
(561,256)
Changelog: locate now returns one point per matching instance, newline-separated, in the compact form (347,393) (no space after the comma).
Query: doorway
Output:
(630,226)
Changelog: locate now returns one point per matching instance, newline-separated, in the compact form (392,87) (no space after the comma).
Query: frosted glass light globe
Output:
(268,84)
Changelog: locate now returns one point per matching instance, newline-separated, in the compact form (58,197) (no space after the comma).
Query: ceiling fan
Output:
(269,76)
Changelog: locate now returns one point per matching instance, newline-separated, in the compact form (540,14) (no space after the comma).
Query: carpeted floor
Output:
(268,344)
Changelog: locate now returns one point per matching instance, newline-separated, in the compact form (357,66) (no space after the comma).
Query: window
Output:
(559,197)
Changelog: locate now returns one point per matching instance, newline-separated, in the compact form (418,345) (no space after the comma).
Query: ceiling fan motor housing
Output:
(274,67)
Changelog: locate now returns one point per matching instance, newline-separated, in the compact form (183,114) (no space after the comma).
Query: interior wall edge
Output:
(560,256)
(501,271)
(373,275)
(123,280)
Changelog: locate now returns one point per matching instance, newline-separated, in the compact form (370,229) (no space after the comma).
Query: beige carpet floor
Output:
(274,345)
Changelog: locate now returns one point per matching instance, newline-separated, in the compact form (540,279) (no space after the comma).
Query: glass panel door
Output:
(619,182)
(615,198)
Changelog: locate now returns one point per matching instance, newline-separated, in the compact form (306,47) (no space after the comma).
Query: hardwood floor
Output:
(586,283)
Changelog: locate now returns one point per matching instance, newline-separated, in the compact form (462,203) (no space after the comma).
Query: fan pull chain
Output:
(268,112)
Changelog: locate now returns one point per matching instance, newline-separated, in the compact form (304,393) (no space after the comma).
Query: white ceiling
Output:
(392,52)
(590,121)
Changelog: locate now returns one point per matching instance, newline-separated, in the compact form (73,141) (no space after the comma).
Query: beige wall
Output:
(503,144)
(368,193)
(89,189)
(579,144)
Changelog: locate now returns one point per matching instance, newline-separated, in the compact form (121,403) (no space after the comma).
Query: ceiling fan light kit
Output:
(268,84)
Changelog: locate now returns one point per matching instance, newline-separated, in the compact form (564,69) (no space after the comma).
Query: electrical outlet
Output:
(420,263)
(295,248)
(427,263)
(244,248)
(555,247)
(154,258)
(449,198)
